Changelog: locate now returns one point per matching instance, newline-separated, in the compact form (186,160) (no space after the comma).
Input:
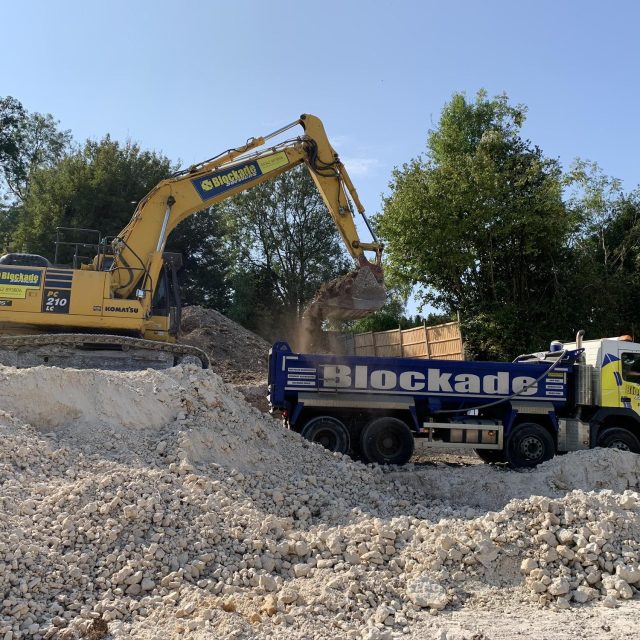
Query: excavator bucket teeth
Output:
(352,296)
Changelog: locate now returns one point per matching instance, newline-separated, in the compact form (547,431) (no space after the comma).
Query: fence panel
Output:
(440,342)
(364,344)
(414,343)
(443,342)
(388,343)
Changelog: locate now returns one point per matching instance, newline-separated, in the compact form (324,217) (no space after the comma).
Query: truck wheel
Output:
(491,455)
(387,441)
(528,445)
(617,438)
(329,432)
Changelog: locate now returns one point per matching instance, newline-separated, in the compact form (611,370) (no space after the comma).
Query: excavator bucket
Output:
(354,295)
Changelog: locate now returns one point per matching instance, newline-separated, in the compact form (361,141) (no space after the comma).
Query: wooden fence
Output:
(440,342)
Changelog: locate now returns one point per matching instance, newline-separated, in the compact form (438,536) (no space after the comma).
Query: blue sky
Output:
(193,78)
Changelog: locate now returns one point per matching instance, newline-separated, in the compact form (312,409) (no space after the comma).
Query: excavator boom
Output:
(238,170)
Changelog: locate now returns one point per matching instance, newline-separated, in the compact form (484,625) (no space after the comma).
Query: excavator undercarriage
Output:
(87,351)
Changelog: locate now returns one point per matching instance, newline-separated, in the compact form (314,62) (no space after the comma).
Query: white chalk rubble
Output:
(159,504)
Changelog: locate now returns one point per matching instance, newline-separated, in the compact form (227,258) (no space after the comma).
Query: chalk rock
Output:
(629,574)
(300,570)
(528,565)
(486,552)
(425,592)
(267,582)
(558,587)
(627,501)
(583,590)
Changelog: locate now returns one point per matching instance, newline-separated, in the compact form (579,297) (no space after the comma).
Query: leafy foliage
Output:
(480,225)
(254,301)
(606,251)
(204,278)
(96,187)
(12,117)
(27,141)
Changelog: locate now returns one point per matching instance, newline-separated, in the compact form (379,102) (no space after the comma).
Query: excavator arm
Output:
(138,249)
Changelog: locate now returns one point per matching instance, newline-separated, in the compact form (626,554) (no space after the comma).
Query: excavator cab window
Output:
(631,367)
(166,299)
(160,304)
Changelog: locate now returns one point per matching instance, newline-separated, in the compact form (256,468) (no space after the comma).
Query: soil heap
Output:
(237,354)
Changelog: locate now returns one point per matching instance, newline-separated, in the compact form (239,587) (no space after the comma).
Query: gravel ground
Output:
(159,504)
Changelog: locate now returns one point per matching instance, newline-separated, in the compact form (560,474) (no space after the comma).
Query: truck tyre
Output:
(617,438)
(528,445)
(329,432)
(387,441)
(491,455)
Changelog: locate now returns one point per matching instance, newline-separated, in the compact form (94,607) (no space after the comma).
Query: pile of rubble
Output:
(581,547)
(237,354)
(159,504)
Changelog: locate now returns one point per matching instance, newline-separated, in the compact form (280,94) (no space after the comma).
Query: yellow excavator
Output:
(121,309)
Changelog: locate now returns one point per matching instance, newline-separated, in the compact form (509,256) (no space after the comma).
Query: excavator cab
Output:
(24,260)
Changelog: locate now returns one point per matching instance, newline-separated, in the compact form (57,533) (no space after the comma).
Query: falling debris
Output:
(355,295)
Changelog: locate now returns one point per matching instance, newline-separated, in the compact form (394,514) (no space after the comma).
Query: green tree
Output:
(12,118)
(606,251)
(27,141)
(433,318)
(283,234)
(95,187)
(204,278)
(254,301)
(479,224)
(98,187)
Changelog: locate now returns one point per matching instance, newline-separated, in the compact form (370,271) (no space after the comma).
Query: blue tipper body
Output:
(432,385)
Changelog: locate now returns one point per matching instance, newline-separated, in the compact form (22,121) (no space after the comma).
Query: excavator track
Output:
(82,350)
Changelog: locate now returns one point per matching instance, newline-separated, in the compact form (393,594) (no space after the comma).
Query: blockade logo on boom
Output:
(215,183)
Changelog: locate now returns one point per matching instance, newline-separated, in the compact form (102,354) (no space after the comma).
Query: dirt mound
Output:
(237,354)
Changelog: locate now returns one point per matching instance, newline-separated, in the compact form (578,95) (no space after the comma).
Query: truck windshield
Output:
(631,367)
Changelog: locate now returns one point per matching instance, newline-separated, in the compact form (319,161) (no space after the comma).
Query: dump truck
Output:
(574,396)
